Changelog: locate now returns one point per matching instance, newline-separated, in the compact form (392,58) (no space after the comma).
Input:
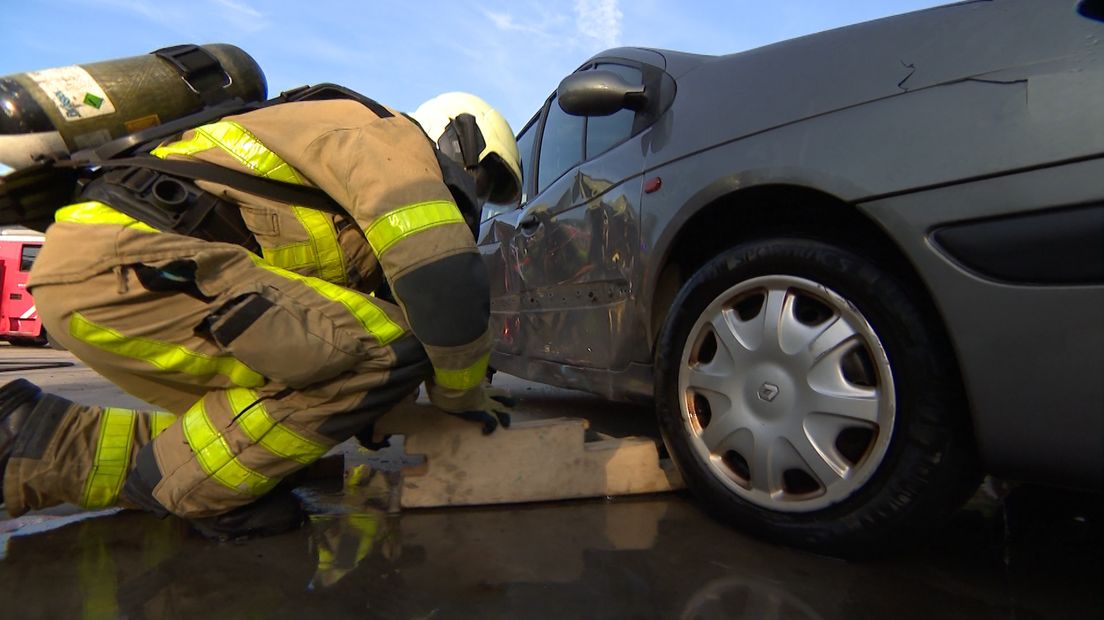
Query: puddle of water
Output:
(644,557)
(36,524)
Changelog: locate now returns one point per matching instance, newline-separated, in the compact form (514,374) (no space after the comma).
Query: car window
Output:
(602,132)
(525,148)
(561,145)
(27,257)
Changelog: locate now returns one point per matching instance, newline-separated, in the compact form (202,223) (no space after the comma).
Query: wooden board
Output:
(529,462)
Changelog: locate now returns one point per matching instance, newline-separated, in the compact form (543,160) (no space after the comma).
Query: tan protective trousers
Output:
(260,372)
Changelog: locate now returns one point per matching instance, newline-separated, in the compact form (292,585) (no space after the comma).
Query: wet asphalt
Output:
(1023,553)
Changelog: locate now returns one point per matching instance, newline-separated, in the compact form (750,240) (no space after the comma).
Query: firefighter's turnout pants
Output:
(258,364)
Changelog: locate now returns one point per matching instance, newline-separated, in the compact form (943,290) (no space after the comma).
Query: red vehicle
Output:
(19,322)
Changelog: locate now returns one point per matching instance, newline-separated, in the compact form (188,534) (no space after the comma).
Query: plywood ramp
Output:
(530,462)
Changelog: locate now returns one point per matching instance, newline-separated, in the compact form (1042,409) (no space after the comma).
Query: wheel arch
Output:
(779,210)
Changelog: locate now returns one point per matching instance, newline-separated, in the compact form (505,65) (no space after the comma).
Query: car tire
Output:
(807,395)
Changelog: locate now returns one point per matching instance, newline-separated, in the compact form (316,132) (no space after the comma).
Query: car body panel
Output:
(938,117)
(1032,357)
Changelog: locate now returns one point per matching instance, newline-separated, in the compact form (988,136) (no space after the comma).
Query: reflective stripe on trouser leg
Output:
(141,340)
(235,445)
(75,453)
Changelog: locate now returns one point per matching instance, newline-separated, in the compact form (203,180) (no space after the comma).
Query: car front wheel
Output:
(807,396)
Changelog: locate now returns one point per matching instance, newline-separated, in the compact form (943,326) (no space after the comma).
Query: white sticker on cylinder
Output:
(74,92)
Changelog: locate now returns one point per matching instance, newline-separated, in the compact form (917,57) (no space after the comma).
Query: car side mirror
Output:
(598,93)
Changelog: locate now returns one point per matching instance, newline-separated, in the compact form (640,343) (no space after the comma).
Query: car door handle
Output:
(529,223)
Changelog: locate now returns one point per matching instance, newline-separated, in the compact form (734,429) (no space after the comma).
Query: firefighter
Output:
(262,361)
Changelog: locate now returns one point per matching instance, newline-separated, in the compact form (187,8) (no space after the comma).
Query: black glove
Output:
(276,512)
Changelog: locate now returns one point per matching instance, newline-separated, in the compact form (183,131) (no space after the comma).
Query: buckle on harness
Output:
(167,192)
(172,204)
(138,180)
(202,72)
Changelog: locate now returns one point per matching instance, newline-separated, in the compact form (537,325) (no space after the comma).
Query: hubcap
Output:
(787,393)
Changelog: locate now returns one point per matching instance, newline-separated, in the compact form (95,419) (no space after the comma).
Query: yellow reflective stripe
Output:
(293,256)
(276,438)
(96,212)
(198,142)
(388,229)
(163,355)
(371,318)
(112,458)
(323,251)
(323,235)
(159,421)
(215,457)
(465,378)
(239,143)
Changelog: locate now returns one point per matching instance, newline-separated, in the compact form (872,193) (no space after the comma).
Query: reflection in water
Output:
(741,597)
(342,542)
(646,557)
(37,524)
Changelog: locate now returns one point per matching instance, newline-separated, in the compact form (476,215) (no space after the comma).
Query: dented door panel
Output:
(563,287)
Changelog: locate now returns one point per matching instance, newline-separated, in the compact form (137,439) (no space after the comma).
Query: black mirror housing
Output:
(598,93)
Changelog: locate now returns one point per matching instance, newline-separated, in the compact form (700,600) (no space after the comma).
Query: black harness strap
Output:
(280,191)
(327,91)
(162,192)
(172,205)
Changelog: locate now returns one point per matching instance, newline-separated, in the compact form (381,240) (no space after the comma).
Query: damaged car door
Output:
(562,264)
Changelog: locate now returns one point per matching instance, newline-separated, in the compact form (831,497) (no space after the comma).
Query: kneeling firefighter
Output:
(226,275)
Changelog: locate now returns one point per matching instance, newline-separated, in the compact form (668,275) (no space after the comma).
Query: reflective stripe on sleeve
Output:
(464,378)
(374,320)
(96,212)
(111,460)
(278,439)
(215,457)
(391,227)
(163,355)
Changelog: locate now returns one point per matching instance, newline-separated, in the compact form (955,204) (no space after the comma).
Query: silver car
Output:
(853,271)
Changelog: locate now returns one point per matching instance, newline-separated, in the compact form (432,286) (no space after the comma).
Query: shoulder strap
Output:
(31,196)
(301,195)
(327,91)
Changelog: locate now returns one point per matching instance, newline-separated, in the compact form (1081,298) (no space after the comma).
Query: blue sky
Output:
(511,53)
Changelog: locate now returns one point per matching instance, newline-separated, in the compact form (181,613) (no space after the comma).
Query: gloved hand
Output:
(486,407)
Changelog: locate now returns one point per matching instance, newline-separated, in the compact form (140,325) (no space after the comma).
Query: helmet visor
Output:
(495,183)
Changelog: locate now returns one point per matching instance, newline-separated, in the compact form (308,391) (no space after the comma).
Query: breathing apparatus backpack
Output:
(162,192)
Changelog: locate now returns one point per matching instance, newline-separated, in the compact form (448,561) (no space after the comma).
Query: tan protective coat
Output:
(319,370)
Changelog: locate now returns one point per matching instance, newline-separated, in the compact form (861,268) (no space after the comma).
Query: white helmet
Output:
(473,134)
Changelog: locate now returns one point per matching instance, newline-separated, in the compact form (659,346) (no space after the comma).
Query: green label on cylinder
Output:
(93,100)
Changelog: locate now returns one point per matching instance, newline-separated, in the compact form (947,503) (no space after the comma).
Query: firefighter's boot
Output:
(17,399)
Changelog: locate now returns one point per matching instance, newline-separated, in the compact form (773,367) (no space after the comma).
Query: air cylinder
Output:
(57,111)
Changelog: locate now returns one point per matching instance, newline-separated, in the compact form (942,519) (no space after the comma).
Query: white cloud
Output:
(599,20)
(142,9)
(240,7)
(241,15)
(505,22)
(193,16)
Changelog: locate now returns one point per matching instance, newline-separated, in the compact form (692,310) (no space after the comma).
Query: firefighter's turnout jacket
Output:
(261,363)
